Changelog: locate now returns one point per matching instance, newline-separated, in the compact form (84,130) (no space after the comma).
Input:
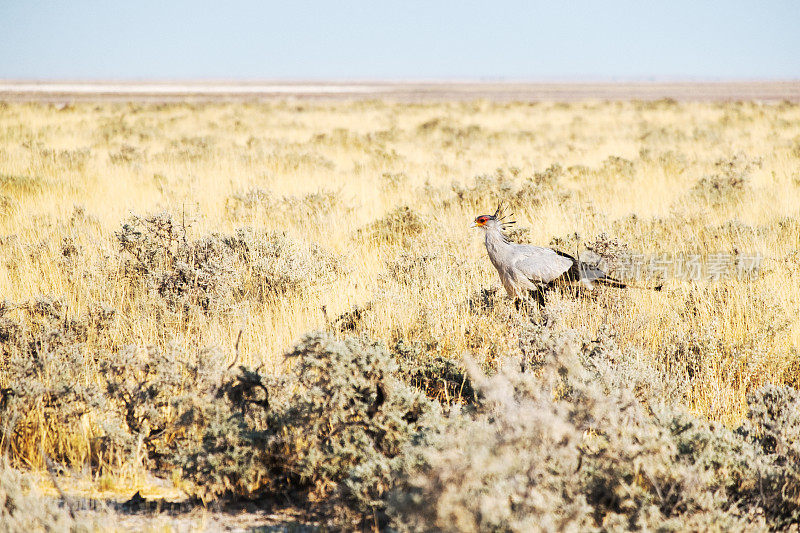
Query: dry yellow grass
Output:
(70,177)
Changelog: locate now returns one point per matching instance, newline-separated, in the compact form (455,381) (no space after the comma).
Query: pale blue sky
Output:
(502,39)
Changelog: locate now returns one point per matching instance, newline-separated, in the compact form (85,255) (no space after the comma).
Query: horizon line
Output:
(398,80)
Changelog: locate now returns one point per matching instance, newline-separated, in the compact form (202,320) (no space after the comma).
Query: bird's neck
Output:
(495,239)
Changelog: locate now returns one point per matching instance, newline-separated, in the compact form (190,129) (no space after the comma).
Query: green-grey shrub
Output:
(335,425)
(400,225)
(142,386)
(45,372)
(588,442)
(216,271)
(773,426)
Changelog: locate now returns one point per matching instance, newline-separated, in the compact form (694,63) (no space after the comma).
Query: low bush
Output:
(312,206)
(717,188)
(334,427)
(143,389)
(216,271)
(592,440)
(729,180)
(399,225)
(505,189)
(46,376)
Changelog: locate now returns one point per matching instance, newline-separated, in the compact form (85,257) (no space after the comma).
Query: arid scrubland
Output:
(162,267)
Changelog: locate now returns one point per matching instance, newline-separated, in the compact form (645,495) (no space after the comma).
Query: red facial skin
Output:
(482,220)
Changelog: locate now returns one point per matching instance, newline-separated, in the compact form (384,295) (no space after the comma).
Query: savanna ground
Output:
(151,250)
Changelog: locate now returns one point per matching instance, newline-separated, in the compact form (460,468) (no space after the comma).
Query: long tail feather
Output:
(613,282)
(588,273)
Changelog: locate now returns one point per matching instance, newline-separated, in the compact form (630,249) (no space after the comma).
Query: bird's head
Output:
(498,220)
(482,220)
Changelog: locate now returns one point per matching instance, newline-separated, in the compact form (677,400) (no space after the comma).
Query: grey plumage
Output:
(527,270)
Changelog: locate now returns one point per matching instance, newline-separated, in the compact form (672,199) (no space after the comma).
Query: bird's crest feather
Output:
(503,218)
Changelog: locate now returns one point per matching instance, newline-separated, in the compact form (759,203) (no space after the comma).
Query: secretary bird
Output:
(527,271)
